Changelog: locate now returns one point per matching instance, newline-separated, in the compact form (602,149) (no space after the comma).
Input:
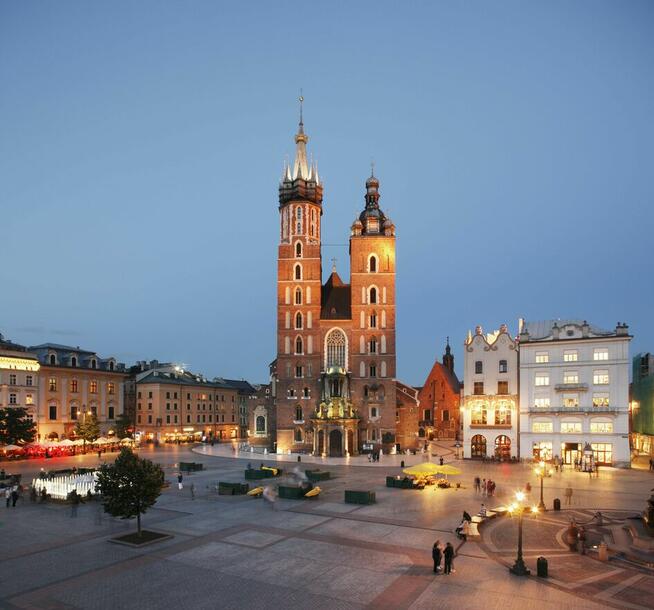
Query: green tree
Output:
(88,428)
(16,428)
(130,486)
(123,426)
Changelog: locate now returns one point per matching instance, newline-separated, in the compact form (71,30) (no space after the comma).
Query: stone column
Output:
(345,434)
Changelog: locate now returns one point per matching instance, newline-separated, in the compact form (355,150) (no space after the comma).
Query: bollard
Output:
(557,504)
(603,552)
(299,458)
(402,464)
(541,567)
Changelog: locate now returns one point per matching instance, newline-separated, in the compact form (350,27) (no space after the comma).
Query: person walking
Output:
(651,464)
(437,554)
(14,496)
(8,495)
(75,502)
(192,491)
(440,461)
(568,495)
(180,483)
(448,554)
(477,484)
(483,487)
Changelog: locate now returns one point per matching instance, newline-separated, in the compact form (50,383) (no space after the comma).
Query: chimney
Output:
(555,331)
(622,330)
(585,329)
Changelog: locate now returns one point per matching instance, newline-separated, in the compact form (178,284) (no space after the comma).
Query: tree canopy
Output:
(16,428)
(88,428)
(123,426)
(130,486)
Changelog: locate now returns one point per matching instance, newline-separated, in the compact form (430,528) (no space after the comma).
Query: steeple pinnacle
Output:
(301,166)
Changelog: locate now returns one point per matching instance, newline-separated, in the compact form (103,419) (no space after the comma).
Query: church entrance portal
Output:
(335,443)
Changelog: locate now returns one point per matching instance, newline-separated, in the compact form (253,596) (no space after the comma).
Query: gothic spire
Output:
(301,166)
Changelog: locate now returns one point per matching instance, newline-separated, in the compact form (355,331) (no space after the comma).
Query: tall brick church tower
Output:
(335,383)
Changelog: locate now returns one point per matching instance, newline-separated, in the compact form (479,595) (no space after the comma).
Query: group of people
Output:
(446,553)
(485,487)
(12,495)
(373,456)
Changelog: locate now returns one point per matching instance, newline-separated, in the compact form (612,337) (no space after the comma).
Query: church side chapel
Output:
(335,368)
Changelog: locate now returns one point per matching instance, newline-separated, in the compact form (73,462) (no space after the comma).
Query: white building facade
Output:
(574,392)
(489,407)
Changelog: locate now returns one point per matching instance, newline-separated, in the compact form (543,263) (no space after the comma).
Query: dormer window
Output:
(53,359)
(111,366)
(73,361)
(93,363)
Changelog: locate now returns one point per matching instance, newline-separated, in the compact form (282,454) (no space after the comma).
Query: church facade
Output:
(335,369)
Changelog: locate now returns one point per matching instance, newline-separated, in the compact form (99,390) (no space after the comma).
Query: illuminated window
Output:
(601,377)
(570,427)
(542,403)
(73,385)
(570,377)
(52,384)
(542,427)
(601,399)
(93,387)
(571,400)
(602,452)
(502,415)
(479,414)
(570,355)
(600,353)
(111,388)
(29,399)
(542,379)
(542,357)
(603,427)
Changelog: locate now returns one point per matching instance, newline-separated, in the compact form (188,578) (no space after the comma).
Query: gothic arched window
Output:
(261,423)
(373,264)
(298,250)
(298,296)
(373,295)
(336,345)
(298,272)
(298,345)
(298,320)
(298,214)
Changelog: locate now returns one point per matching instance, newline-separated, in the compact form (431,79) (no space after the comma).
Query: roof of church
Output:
(335,299)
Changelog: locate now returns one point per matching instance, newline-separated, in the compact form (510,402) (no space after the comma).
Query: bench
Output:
(640,535)
(190,466)
(359,497)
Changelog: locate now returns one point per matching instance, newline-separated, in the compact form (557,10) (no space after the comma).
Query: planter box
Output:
(359,497)
(292,493)
(190,466)
(253,474)
(232,489)
(317,475)
(400,483)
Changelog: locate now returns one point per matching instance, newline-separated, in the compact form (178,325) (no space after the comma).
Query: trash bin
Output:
(557,504)
(541,567)
(603,552)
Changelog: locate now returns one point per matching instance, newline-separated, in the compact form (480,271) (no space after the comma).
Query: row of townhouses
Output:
(60,385)
(557,391)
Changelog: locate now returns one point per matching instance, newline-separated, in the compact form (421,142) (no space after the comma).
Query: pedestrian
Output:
(75,502)
(440,461)
(14,496)
(492,493)
(477,484)
(44,494)
(448,554)
(8,495)
(180,479)
(651,464)
(192,491)
(437,554)
(33,494)
(483,487)
(482,510)
(489,488)
(99,454)
(568,495)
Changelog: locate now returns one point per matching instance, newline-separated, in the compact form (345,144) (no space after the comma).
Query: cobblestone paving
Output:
(239,552)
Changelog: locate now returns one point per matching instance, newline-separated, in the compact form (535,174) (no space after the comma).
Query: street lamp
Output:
(541,471)
(519,568)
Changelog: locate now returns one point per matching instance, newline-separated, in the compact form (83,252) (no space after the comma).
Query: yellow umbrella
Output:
(447,469)
(423,470)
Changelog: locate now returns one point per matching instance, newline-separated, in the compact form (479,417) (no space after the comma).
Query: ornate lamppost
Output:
(519,507)
(542,471)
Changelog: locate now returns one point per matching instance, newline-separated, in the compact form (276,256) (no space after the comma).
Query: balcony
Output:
(575,410)
(571,387)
